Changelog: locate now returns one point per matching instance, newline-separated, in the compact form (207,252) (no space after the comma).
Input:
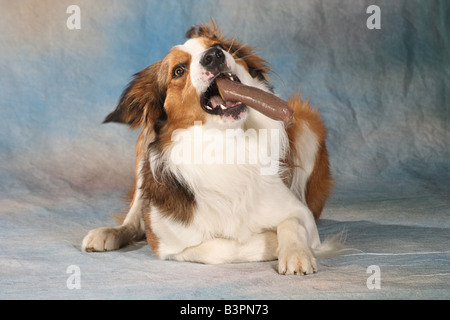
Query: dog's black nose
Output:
(213,59)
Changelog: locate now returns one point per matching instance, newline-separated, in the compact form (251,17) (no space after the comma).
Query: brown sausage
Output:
(262,101)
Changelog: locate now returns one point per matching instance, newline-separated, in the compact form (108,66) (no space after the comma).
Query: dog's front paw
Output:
(296,261)
(101,239)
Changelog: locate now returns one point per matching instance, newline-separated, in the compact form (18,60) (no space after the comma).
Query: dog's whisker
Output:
(239,49)
(243,58)
(231,45)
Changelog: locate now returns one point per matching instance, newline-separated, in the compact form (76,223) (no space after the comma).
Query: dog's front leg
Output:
(112,238)
(132,228)
(295,240)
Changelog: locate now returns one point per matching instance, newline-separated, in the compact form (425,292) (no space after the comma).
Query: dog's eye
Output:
(178,71)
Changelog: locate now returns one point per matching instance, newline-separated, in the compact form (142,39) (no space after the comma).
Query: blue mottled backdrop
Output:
(383,93)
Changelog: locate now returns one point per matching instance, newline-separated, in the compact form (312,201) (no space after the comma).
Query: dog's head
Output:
(180,89)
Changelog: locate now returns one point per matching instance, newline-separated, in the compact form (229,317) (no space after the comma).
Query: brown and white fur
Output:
(219,212)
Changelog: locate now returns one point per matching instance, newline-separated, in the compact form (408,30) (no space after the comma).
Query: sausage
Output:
(260,100)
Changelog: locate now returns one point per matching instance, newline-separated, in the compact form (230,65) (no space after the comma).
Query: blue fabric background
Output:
(384,96)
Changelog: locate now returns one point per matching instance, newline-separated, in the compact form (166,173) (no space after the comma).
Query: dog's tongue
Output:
(262,101)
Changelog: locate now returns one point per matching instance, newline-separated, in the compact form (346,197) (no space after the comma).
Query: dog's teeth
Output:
(208,107)
(223,107)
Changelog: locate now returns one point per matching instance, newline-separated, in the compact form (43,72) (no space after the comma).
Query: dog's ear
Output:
(142,102)
(209,31)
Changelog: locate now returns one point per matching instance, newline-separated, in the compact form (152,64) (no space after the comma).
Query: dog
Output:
(191,204)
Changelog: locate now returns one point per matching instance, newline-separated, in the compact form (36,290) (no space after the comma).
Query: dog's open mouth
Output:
(212,102)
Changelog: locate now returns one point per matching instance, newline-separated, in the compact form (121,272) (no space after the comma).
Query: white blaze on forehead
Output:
(199,76)
(193,46)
